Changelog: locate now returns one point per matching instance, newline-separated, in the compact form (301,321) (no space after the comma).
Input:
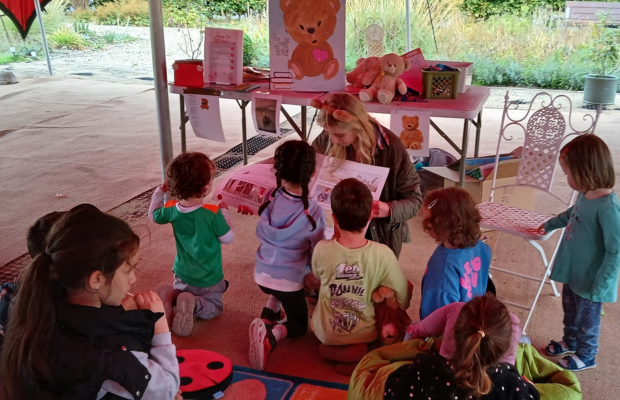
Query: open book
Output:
(252,185)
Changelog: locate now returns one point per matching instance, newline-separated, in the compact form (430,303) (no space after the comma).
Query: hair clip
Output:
(481,332)
(306,212)
(563,153)
(432,204)
(340,115)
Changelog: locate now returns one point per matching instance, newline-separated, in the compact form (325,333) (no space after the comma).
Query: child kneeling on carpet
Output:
(349,268)
(290,226)
(588,259)
(69,337)
(458,270)
(199,231)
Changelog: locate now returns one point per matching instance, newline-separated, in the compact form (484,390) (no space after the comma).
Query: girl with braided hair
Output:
(290,226)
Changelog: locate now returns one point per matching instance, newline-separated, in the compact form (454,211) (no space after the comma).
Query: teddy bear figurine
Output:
(411,136)
(364,67)
(310,23)
(390,320)
(386,82)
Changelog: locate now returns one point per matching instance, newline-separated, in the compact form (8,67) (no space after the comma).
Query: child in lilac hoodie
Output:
(290,226)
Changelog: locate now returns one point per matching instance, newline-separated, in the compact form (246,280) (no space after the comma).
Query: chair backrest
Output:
(374,37)
(545,131)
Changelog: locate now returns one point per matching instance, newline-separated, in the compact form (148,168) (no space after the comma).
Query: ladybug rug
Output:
(203,373)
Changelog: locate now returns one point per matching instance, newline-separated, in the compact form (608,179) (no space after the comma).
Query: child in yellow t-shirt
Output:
(349,268)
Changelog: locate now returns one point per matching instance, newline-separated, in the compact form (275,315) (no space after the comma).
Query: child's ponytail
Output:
(294,162)
(482,334)
(32,319)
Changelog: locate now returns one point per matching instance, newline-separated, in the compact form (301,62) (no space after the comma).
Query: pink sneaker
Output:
(183,322)
(262,342)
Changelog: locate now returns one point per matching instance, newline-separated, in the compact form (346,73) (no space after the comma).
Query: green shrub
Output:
(65,37)
(83,15)
(81,27)
(123,12)
(248,50)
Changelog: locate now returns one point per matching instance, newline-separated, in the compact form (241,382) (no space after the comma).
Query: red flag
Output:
(21,12)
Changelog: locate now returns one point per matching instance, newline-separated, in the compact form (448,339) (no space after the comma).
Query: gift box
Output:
(188,73)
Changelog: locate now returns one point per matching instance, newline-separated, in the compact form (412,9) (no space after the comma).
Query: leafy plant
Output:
(81,27)
(248,50)
(65,37)
(123,12)
(605,48)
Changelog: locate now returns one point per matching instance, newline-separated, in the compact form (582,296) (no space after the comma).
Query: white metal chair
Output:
(545,131)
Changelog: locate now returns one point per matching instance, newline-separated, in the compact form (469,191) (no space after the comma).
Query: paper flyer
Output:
(413,76)
(204,115)
(412,127)
(223,50)
(266,113)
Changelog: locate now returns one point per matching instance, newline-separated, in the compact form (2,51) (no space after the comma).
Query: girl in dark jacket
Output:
(69,337)
(351,134)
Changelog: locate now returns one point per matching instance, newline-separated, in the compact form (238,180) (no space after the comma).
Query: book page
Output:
(252,185)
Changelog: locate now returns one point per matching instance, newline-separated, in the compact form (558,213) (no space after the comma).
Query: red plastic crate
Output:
(188,73)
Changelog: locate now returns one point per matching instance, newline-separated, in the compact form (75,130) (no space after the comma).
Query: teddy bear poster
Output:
(412,127)
(307,44)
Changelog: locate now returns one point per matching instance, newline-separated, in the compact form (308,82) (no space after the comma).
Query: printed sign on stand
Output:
(204,114)
(412,127)
(266,113)
(223,56)
(307,45)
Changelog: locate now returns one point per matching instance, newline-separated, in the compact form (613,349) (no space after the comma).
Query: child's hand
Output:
(129,303)
(178,396)
(311,282)
(151,301)
(244,210)
(380,209)
(221,204)
(527,380)
(538,231)
(164,186)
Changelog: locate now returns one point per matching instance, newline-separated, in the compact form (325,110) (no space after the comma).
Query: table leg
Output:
(183,122)
(303,124)
(478,125)
(464,152)
(244,130)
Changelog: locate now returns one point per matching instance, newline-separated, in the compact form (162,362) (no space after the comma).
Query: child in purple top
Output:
(458,270)
(290,226)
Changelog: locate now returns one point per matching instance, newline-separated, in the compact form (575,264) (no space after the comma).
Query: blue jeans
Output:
(582,324)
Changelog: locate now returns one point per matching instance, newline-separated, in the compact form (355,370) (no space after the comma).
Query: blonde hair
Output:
(360,124)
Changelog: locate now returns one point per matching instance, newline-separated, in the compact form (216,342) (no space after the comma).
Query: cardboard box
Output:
(480,190)
(466,68)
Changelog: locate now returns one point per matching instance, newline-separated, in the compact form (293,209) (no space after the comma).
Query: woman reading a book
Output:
(349,133)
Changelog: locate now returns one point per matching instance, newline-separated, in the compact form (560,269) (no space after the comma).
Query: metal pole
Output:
(408,6)
(158,51)
(37,8)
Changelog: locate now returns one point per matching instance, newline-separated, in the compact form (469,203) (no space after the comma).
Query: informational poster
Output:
(412,127)
(307,45)
(223,56)
(204,115)
(413,76)
(266,113)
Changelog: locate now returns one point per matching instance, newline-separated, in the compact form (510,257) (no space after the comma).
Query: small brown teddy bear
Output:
(391,321)
(311,23)
(386,82)
(411,136)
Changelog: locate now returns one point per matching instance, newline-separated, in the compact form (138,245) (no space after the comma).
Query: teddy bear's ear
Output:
(284,4)
(404,118)
(407,65)
(334,4)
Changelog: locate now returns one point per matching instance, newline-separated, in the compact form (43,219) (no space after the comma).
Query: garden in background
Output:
(523,43)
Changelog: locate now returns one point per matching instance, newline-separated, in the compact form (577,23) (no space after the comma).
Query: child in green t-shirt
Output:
(199,231)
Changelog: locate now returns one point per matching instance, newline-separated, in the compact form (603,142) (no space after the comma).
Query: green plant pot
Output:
(600,89)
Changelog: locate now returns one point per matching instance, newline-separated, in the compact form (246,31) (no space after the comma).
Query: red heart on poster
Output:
(22,13)
(320,55)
